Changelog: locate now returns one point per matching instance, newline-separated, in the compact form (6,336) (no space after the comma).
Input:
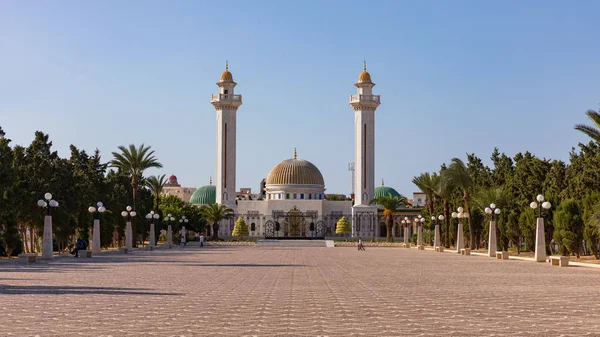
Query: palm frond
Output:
(589,131)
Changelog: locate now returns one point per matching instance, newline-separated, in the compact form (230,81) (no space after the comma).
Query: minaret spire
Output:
(382,182)
(210,181)
(295,154)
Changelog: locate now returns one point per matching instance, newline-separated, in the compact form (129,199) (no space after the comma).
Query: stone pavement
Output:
(251,291)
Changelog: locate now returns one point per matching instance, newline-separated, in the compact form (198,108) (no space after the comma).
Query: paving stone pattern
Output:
(253,291)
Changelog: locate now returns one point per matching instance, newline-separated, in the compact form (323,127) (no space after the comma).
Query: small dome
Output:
(173,178)
(384,191)
(226,75)
(295,172)
(364,77)
(205,195)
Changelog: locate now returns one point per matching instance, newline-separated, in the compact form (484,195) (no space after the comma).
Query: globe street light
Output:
(419,222)
(540,239)
(127,215)
(437,229)
(169,220)
(406,223)
(460,239)
(151,217)
(183,221)
(96,211)
(492,241)
(47,246)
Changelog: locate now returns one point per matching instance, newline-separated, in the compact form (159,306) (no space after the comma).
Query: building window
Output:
(294,195)
(253,226)
(226,92)
(302,196)
(287,195)
(277,227)
(310,196)
(311,227)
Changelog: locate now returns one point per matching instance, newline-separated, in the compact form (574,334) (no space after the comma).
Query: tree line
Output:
(512,183)
(78,182)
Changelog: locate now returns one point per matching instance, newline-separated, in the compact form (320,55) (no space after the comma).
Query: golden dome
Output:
(226,75)
(364,77)
(295,172)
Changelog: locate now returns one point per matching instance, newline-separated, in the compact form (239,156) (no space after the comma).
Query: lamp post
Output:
(169,220)
(151,217)
(96,211)
(127,215)
(183,221)
(47,245)
(540,234)
(419,221)
(460,236)
(437,236)
(406,223)
(492,241)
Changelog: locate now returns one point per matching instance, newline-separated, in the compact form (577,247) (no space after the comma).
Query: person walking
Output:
(360,244)
(201,239)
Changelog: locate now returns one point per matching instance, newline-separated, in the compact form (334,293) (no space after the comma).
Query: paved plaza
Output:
(300,291)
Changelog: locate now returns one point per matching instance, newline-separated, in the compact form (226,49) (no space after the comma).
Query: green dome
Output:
(204,195)
(384,191)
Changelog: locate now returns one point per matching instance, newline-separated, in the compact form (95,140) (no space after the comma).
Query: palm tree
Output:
(592,131)
(458,175)
(156,184)
(134,161)
(390,204)
(214,213)
(444,189)
(426,183)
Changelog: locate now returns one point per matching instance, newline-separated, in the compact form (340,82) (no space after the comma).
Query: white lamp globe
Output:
(492,206)
(459,215)
(48,196)
(454,214)
(128,208)
(422,219)
(533,205)
(41,203)
(488,210)
(148,216)
(540,198)
(546,205)
(124,214)
(186,220)
(151,212)
(91,209)
(180,220)
(172,219)
(460,210)
(441,217)
(166,218)
(53,203)
(156,216)
(169,215)
(497,211)
(133,213)
(101,209)
(99,204)
(432,218)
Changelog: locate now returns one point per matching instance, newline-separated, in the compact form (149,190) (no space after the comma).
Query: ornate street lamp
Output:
(540,236)
(437,236)
(183,221)
(169,220)
(47,246)
(419,220)
(96,211)
(127,215)
(460,236)
(492,241)
(406,223)
(151,217)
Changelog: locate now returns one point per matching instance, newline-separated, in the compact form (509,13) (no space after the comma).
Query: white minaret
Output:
(364,105)
(226,103)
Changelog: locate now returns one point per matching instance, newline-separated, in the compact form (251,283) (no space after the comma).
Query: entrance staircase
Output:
(292,243)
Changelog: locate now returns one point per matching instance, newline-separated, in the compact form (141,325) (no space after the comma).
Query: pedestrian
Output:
(360,244)
(201,239)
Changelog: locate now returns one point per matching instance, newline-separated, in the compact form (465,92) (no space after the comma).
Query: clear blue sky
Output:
(454,77)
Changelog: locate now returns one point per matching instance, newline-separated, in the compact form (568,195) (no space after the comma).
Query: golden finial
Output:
(210,182)
(226,65)
(381,181)
(295,154)
(365,65)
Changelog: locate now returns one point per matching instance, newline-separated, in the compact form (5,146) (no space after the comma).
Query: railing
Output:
(226,97)
(364,98)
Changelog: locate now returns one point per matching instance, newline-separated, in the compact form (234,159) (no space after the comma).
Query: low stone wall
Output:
(230,243)
(370,244)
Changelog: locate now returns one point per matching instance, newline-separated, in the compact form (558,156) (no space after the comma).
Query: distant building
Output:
(172,187)
(419,199)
